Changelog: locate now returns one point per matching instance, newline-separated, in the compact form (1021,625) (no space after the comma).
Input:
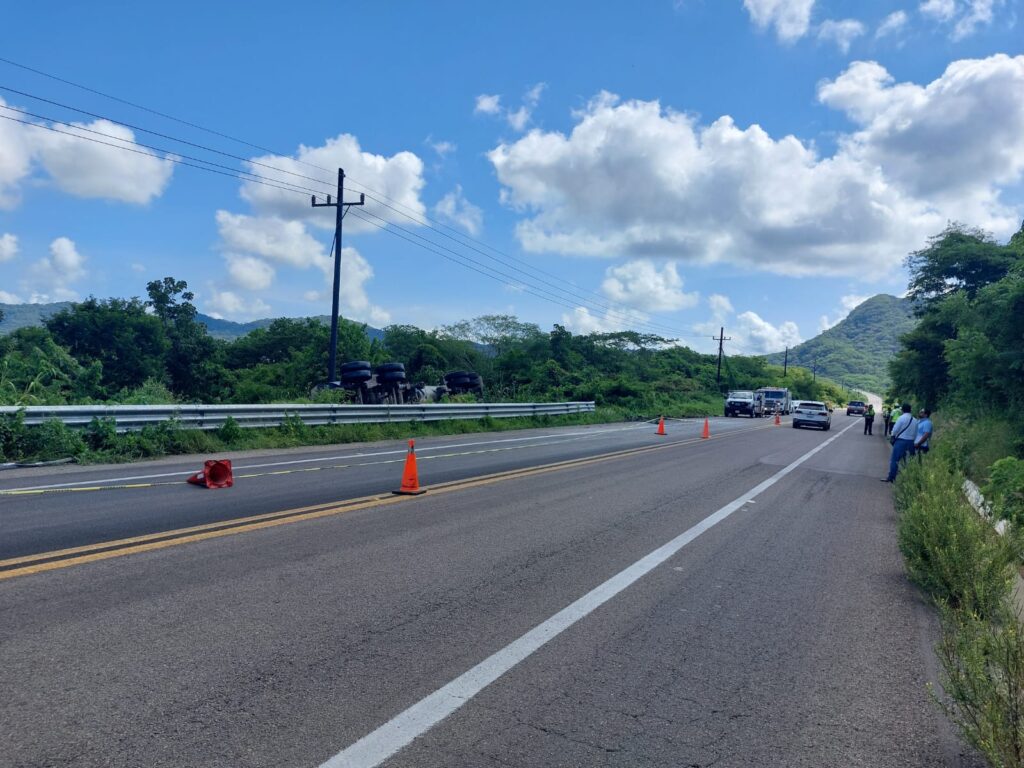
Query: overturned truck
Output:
(388,384)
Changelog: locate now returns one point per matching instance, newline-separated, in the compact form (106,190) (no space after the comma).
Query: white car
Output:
(811,413)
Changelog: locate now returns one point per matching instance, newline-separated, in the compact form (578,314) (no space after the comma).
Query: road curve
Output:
(783,634)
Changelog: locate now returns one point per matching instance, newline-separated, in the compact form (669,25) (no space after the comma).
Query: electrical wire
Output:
(601,307)
(376,195)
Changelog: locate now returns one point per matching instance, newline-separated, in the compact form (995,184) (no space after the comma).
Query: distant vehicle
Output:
(387,384)
(776,399)
(811,413)
(744,402)
(855,408)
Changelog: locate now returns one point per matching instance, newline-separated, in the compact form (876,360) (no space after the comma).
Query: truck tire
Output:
(355,365)
(390,368)
(391,377)
(356,375)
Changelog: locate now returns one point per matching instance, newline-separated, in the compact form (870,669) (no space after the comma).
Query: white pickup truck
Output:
(744,402)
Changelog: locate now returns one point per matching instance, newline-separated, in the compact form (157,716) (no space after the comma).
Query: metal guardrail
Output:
(130,418)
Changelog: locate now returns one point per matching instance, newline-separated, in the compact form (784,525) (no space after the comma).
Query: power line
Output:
(605,309)
(375,195)
(419,218)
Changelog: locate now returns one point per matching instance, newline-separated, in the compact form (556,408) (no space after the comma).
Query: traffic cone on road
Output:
(707,429)
(216,473)
(410,478)
(778,420)
(661,427)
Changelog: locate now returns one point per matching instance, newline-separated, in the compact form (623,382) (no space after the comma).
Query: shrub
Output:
(1005,489)
(101,434)
(52,440)
(230,432)
(983,670)
(950,551)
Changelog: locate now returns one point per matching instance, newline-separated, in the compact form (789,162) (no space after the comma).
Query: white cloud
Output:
(978,12)
(140,268)
(79,167)
(842,33)
(15,160)
(250,272)
(355,304)
(701,194)
(443,148)
(968,15)
(892,24)
(790,18)
(272,238)
(722,193)
(228,304)
(926,138)
(487,104)
(749,333)
(398,178)
(51,276)
(847,304)
(455,209)
(583,321)
(8,247)
(312,296)
(9,298)
(939,10)
(518,119)
(640,284)
(87,169)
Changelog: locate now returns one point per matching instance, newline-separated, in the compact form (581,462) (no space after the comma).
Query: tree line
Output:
(157,351)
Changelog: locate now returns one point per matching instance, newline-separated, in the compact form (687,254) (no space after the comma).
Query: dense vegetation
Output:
(857,350)
(159,351)
(965,359)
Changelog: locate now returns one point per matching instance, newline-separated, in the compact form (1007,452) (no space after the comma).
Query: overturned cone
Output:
(410,478)
(216,473)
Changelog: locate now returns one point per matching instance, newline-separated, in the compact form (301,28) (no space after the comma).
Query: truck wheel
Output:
(355,365)
(390,368)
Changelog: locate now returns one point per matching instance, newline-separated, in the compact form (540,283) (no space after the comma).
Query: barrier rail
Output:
(130,418)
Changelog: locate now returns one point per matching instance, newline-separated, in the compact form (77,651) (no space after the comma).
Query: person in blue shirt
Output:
(924,431)
(904,434)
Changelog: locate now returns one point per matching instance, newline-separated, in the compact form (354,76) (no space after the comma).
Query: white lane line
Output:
(403,451)
(400,731)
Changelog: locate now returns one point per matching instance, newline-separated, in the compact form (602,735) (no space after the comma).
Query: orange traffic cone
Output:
(661,427)
(216,473)
(707,429)
(410,478)
(778,420)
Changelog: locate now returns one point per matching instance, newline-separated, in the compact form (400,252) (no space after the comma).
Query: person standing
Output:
(924,432)
(893,416)
(869,419)
(886,418)
(904,433)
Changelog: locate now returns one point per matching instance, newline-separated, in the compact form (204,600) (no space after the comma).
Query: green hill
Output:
(858,349)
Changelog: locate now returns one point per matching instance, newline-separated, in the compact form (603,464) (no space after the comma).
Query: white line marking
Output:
(403,450)
(400,731)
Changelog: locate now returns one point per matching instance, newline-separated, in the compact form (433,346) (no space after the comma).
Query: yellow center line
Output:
(65,558)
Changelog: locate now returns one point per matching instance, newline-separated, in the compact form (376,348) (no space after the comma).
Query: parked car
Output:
(811,413)
(744,402)
(855,408)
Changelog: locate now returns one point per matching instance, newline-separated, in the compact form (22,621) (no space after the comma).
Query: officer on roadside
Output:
(924,432)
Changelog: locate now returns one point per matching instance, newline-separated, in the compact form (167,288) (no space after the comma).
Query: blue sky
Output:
(665,166)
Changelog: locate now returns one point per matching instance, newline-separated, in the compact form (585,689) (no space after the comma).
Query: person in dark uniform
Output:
(869,419)
(886,419)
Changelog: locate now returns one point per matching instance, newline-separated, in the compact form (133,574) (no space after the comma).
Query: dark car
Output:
(855,408)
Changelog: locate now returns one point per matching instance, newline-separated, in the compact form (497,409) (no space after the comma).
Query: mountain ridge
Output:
(856,351)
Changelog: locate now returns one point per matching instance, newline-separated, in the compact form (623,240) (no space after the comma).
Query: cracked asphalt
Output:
(787,635)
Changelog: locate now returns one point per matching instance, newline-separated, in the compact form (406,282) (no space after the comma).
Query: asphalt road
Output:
(771,626)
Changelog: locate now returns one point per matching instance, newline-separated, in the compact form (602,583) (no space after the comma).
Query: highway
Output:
(595,596)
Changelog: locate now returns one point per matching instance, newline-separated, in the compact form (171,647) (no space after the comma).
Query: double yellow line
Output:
(90,553)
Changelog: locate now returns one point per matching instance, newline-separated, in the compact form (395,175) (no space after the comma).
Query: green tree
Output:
(957,259)
(193,361)
(129,343)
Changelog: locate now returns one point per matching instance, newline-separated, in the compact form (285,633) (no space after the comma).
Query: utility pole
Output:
(342,208)
(785,363)
(814,370)
(720,338)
